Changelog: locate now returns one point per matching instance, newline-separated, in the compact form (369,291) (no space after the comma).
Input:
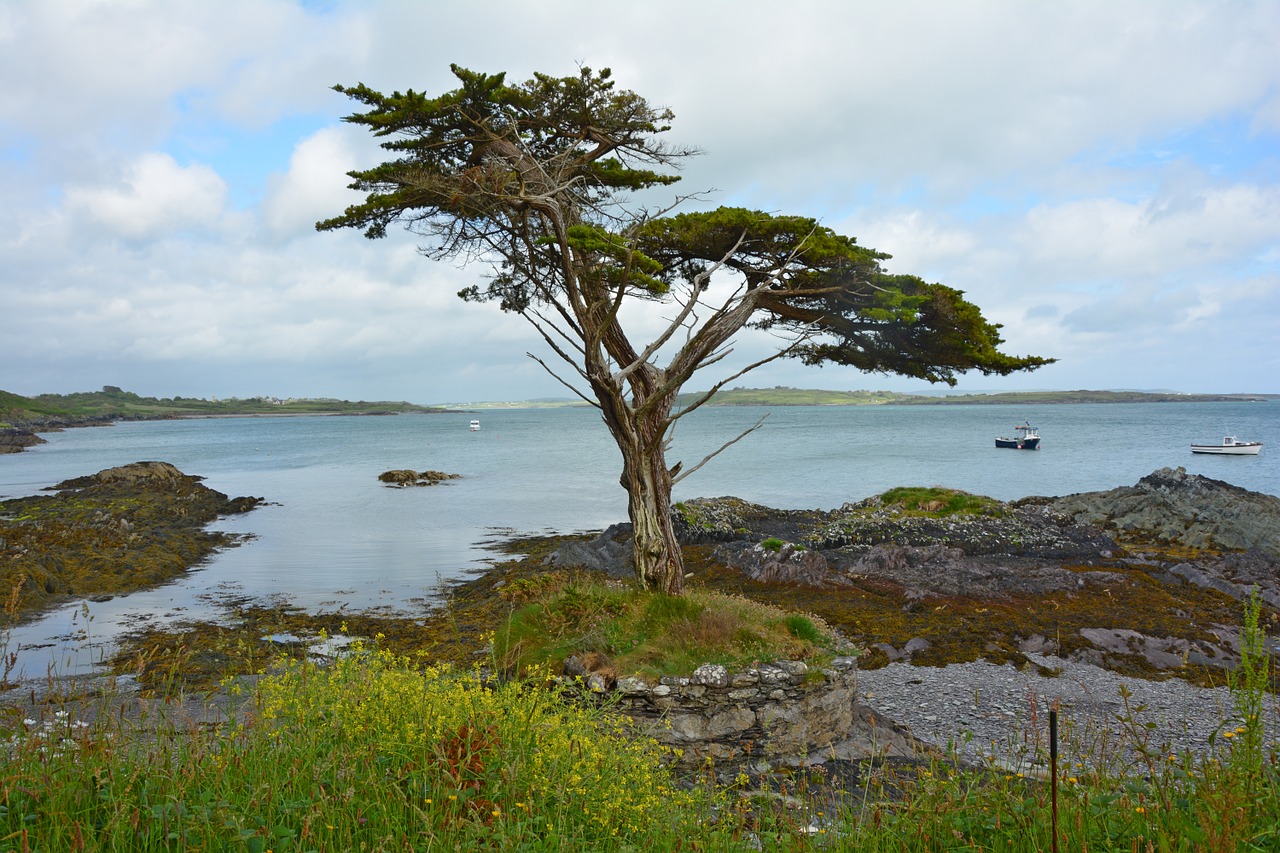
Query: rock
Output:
(14,440)
(788,563)
(402,478)
(610,552)
(916,644)
(116,531)
(1172,506)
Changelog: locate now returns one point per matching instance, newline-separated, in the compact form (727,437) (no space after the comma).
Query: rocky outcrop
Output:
(1171,506)
(1138,579)
(116,531)
(402,478)
(14,440)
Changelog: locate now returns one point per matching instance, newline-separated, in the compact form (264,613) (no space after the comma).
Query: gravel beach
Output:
(987,711)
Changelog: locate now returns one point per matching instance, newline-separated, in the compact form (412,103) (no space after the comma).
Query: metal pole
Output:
(1053,772)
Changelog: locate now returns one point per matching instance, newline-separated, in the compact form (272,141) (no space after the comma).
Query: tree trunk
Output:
(658,561)
(640,432)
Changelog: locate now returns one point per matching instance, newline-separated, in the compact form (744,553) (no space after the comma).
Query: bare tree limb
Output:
(677,478)
(576,392)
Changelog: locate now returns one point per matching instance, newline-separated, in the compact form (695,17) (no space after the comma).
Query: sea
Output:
(331,537)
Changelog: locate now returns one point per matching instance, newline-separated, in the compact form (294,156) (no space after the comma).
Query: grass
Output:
(936,500)
(381,752)
(626,630)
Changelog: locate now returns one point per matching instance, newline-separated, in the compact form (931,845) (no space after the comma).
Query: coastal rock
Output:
(119,530)
(402,478)
(1170,506)
(1145,580)
(610,553)
(14,440)
(787,563)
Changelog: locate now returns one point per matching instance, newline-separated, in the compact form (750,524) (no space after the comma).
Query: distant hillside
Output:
(1075,397)
(112,403)
(781,396)
(16,410)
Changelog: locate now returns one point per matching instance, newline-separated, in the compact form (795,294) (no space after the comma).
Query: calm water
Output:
(335,537)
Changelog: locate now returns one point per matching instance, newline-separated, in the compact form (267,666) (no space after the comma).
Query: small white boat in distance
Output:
(475,426)
(1230,446)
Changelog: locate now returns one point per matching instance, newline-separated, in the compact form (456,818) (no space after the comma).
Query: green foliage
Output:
(348,758)
(628,631)
(772,544)
(802,628)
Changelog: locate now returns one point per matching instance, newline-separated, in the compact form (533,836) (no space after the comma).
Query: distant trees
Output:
(535,181)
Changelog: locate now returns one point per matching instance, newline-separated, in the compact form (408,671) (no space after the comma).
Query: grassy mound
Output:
(624,630)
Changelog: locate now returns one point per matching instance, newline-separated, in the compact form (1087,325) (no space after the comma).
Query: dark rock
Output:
(1172,506)
(610,552)
(785,564)
(14,440)
(122,529)
(402,478)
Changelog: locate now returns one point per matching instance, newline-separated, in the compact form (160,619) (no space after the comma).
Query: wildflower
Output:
(1140,810)
(1073,780)
(1228,734)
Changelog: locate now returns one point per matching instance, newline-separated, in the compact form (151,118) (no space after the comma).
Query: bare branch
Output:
(555,346)
(719,450)
(578,393)
(707,395)
(696,287)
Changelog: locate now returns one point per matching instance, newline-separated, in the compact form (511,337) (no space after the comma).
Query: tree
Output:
(538,181)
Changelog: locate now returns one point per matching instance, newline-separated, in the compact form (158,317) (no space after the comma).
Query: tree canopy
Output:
(538,181)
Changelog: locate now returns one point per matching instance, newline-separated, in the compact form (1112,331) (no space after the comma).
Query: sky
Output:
(1101,178)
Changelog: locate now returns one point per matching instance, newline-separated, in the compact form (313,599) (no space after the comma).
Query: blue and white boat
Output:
(1028,438)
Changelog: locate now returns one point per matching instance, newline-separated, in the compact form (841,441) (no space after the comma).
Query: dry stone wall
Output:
(769,712)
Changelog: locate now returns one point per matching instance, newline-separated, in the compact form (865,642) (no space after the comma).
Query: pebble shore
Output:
(988,712)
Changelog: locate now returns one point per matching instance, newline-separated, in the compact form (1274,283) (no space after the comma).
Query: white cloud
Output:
(154,196)
(315,186)
(1007,149)
(1107,238)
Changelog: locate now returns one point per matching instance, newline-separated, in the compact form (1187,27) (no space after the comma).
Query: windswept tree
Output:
(538,182)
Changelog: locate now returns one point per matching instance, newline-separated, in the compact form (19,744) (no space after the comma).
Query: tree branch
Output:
(576,392)
(719,450)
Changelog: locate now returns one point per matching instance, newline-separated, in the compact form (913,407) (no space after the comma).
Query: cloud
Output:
(153,196)
(1106,238)
(315,185)
(1100,177)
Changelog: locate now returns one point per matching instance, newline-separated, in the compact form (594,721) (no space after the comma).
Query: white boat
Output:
(475,426)
(1231,446)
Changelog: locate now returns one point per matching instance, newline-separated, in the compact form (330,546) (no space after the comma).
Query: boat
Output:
(1231,446)
(475,426)
(1028,438)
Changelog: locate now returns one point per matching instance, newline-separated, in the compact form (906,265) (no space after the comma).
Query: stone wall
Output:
(770,712)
